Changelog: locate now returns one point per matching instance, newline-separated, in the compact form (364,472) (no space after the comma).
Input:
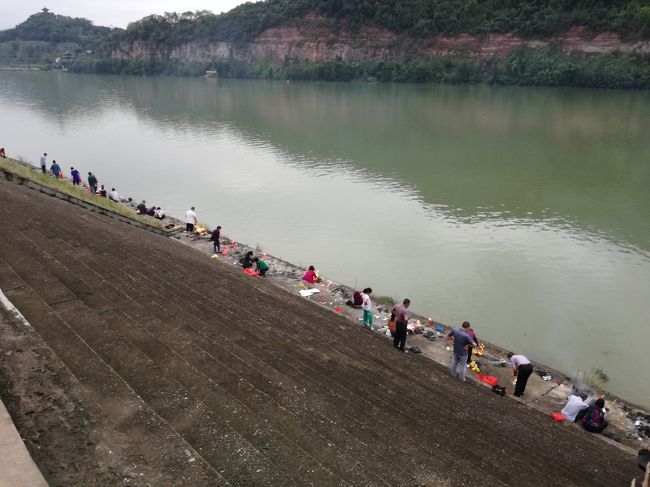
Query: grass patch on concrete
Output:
(65,186)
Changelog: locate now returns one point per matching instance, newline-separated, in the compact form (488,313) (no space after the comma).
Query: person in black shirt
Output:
(142,208)
(247,260)
(214,238)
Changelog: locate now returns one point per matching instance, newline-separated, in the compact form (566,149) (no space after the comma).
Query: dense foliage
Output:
(528,18)
(415,18)
(34,40)
(29,52)
(543,66)
(49,27)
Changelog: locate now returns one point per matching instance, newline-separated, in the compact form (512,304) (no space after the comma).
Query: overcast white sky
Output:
(116,13)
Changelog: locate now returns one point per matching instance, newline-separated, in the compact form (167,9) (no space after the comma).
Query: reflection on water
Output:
(525,211)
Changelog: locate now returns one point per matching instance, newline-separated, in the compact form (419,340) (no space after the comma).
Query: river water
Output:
(524,211)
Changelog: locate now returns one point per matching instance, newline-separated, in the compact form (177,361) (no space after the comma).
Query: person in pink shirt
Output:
(311,276)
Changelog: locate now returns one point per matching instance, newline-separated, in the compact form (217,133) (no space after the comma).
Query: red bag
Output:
(488,379)
(392,326)
(557,417)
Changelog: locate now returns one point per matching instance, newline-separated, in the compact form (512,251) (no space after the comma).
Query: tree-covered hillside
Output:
(48,27)
(413,18)
(44,36)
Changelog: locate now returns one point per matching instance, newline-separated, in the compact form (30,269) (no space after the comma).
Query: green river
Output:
(525,211)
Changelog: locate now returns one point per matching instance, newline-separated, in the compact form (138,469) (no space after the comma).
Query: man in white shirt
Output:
(44,162)
(521,368)
(114,196)
(365,305)
(574,406)
(190,220)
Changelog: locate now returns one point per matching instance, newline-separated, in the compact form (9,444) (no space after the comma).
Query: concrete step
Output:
(324,373)
(208,432)
(454,402)
(67,275)
(279,449)
(154,440)
(390,453)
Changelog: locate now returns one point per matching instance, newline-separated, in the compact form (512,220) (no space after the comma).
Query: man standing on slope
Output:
(55,169)
(44,162)
(190,221)
(76,178)
(401,321)
(521,368)
(462,342)
(214,238)
(92,182)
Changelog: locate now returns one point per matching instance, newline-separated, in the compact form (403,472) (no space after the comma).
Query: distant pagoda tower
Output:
(45,10)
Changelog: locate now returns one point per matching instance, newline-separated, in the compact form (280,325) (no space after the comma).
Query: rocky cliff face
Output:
(310,43)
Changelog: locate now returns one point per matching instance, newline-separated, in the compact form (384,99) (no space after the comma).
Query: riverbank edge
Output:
(11,174)
(328,289)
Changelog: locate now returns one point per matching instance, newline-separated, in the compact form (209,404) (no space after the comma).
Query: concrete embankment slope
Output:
(191,373)
(16,466)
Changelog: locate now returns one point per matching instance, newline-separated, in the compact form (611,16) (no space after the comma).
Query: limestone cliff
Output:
(317,44)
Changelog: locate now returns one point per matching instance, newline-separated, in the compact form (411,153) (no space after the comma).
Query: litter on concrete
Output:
(308,292)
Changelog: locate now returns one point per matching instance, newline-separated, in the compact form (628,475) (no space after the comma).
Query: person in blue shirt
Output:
(76,180)
(55,170)
(462,342)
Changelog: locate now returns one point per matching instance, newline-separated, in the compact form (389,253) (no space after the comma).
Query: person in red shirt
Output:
(311,276)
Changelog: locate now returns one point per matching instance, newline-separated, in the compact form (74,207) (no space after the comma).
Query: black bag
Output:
(500,390)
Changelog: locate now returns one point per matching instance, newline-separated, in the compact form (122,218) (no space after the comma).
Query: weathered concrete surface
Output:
(17,469)
(628,424)
(189,372)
